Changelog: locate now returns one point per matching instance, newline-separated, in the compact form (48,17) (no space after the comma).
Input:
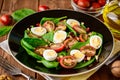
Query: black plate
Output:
(21,56)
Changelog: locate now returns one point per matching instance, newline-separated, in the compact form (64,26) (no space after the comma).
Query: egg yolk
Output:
(73,23)
(59,36)
(51,53)
(78,55)
(40,29)
(96,42)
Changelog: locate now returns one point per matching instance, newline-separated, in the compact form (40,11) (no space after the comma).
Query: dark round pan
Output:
(27,61)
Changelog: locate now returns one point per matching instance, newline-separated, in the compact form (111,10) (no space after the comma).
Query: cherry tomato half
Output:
(83,37)
(89,50)
(68,62)
(57,47)
(70,42)
(49,25)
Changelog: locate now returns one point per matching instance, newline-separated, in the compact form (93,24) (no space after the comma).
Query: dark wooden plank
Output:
(1,3)
(56,4)
(18,4)
(6,6)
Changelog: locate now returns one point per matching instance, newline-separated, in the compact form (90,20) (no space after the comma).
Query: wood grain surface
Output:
(8,6)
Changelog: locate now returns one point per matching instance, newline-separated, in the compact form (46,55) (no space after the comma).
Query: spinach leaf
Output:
(55,20)
(84,64)
(5,30)
(42,68)
(21,13)
(27,45)
(71,29)
(96,33)
(31,53)
(26,34)
(100,50)
(78,45)
(35,42)
(82,25)
(62,53)
(48,36)
(49,64)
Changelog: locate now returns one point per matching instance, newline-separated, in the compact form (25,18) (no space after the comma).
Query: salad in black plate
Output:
(62,42)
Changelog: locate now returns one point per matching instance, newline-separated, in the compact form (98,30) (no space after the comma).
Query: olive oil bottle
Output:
(111,16)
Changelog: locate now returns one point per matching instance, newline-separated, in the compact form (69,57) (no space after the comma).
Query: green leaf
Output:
(55,20)
(27,45)
(21,13)
(63,53)
(48,36)
(31,53)
(35,42)
(71,29)
(5,30)
(96,33)
(43,69)
(84,64)
(78,45)
(82,25)
(49,64)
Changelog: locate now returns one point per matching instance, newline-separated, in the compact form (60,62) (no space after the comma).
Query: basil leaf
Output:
(22,13)
(5,30)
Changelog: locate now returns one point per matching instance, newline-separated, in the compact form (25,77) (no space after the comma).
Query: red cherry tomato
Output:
(57,47)
(83,37)
(70,42)
(95,5)
(87,29)
(75,1)
(43,8)
(89,50)
(83,3)
(68,62)
(37,24)
(6,19)
(102,2)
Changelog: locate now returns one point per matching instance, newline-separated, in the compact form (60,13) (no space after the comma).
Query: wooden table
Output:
(8,6)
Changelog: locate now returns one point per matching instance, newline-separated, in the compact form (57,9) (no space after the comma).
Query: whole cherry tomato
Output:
(75,1)
(83,3)
(6,19)
(95,5)
(102,2)
(43,8)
